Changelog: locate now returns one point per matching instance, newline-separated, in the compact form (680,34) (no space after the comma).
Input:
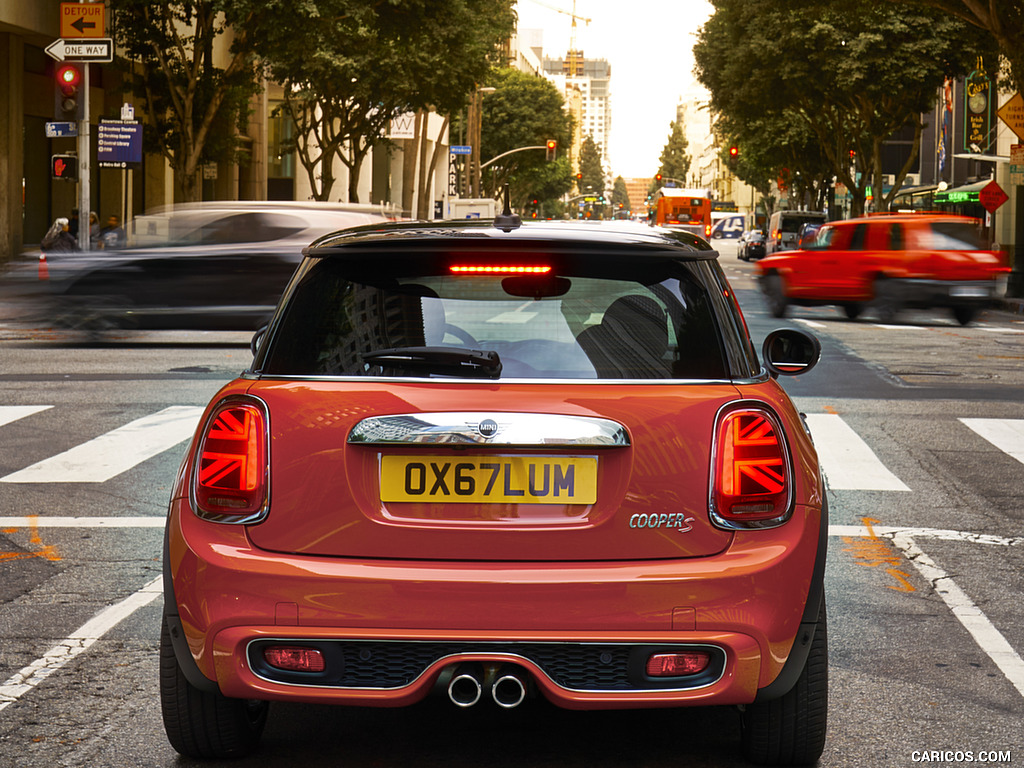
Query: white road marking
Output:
(988,638)
(76,643)
(9,413)
(107,456)
(846,460)
(82,522)
(970,616)
(1005,434)
(810,323)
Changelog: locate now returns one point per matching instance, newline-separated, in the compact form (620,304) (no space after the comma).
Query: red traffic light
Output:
(68,78)
(657,177)
(734,151)
(551,145)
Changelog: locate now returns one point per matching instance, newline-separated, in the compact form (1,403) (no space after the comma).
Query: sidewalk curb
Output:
(1016,306)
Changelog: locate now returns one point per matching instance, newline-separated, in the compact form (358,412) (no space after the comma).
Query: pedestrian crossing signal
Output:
(64,167)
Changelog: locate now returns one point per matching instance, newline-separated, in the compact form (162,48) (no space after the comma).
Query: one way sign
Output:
(80,50)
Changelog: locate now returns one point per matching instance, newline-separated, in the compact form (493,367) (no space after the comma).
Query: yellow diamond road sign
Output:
(1012,113)
(82,20)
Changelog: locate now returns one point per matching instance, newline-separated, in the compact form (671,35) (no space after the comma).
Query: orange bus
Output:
(688,209)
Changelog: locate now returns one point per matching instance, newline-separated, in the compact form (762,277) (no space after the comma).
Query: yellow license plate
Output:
(489,479)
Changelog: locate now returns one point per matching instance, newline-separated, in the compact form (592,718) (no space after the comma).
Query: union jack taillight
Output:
(231,467)
(752,477)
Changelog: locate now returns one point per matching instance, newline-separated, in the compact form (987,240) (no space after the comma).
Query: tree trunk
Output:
(436,155)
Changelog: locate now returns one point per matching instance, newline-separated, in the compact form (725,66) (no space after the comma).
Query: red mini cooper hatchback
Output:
(493,462)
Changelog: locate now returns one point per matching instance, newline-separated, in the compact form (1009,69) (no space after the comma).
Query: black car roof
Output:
(553,235)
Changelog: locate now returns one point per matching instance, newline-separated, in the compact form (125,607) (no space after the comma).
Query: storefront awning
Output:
(968,193)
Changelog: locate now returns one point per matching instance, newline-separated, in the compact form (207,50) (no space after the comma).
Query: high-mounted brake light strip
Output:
(484,269)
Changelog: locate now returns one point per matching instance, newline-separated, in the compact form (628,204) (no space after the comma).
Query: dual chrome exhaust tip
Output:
(506,685)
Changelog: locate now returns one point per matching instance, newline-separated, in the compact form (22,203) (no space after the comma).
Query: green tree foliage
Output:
(523,111)
(349,66)
(591,169)
(620,194)
(674,161)
(191,99)
(1002,19)
(849,75)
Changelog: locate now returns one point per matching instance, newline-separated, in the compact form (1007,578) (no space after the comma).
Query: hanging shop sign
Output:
(977,112)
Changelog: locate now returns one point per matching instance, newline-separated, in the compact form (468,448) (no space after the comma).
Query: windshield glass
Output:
(570,327)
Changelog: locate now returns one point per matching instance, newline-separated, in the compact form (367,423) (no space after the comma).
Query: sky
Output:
(648,44)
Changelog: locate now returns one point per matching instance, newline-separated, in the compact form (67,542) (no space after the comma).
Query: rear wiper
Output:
(446,361)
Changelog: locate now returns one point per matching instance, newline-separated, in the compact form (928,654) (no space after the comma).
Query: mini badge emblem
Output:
(487,428)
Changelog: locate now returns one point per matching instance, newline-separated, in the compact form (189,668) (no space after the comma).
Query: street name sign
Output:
(82,19)
(100,49)
(58,130)
(460,149)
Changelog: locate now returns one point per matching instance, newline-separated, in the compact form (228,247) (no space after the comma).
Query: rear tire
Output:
(791,730)
(852,311)
(964,315)
(201,724)
(775,295)
(886,301)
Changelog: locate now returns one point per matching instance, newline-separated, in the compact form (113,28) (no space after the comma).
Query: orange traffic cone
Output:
(44,270)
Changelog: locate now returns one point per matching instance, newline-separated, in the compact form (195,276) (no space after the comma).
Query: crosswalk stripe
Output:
(109,455)
(1005,434)
(846,460)
(9,413)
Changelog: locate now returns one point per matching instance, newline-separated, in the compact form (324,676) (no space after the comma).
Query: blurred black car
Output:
(210,266)
(752,246)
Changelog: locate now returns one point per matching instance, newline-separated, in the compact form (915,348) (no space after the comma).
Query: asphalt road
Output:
(916,424)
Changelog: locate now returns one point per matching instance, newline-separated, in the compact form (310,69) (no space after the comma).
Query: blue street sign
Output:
(460,149)
(119,143)
(60,130)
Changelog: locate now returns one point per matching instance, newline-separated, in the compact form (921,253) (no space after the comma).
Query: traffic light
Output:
(64,167)
(657,177)
(734,152)
(552,145)
(67,104)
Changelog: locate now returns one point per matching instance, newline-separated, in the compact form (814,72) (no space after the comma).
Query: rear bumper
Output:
(949,293)
(746,604)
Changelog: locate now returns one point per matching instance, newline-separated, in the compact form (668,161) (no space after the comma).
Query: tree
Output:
(191,105)
(523,111)
(675,162)
(591,171)
(1002,19)
(850,74)
(349,66)
(620,195)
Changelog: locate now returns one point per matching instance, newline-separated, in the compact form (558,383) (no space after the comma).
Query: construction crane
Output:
(573,54)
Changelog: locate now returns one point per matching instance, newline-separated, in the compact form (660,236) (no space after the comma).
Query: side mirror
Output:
(789,352)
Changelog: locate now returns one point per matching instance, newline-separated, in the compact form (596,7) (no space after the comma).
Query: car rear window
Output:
(654,324)
(950,236)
